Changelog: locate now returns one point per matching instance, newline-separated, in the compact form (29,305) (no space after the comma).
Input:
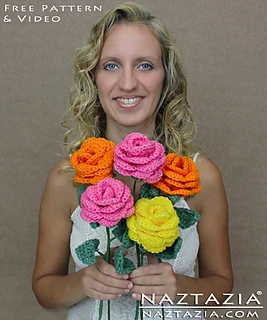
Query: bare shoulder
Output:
(209,172)
(212,187)
(58,202)
(59,187)
(214,252)
(57,177)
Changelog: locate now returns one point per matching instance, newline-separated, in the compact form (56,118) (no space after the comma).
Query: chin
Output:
(135,121)
(134,124)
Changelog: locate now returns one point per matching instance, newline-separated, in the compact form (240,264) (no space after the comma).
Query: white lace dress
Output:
(123,308)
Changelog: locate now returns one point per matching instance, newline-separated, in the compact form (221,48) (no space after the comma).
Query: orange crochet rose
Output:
(180,176)
(93,161)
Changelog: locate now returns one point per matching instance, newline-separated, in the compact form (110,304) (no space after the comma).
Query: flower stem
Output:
(108,244)
(141,263)
(134,190)
(107,259)
(109,310)
(137,309)
(100,253)
(138,255)
(162,308)
(100,312)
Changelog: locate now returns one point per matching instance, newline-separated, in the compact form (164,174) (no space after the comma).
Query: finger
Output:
(94,279)
(149,280)
(145,270)
(136,296)
(157,299)
(107,281)
(151,259)
(109,287)
(103,295)
(101,286)
(163,269)
(149,290)
(108,269)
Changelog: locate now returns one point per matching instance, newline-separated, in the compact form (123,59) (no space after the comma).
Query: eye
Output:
(145,66)
(110,66)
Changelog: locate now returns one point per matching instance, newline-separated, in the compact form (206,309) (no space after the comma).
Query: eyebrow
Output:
(142,58)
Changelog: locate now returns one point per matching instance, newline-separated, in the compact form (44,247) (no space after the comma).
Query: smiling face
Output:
(129,78)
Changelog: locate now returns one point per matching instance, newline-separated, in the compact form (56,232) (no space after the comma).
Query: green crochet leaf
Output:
(171,252)
(120,228)
(123,265)
(115,173)
(187,217)
(121,232)
(147,191)
(94,225)
(126,241)
(86,251)
(80,191)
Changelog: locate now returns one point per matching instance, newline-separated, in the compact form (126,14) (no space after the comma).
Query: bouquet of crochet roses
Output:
(148,221)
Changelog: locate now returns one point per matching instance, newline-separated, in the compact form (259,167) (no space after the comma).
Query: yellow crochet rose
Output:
(154,224)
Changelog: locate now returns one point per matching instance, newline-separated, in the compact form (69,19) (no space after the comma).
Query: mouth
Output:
(128,102)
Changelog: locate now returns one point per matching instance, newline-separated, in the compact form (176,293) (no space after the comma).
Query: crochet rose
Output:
(154,224)
(107,202)
(180,176)
(93,161)
(140,158)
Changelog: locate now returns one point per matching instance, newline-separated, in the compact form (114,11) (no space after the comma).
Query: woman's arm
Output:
(215,272)
(52,285)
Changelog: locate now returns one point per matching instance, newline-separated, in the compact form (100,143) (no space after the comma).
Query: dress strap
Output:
(195,156)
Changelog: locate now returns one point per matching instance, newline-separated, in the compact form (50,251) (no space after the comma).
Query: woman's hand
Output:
(154,278)
(101,281)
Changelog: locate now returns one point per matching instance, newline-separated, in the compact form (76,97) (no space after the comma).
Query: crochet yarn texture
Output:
(93,161)
(154,224)
(139,157)
(107,202)
(180,176)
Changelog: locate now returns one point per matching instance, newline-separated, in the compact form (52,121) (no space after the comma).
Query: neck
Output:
(118,133)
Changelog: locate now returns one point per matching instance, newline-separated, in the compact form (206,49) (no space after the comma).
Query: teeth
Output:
(128,101)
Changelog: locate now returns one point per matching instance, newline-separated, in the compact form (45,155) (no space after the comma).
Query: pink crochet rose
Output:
(139,157)
(107,202)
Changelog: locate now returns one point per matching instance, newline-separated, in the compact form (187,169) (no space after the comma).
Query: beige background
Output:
(223,43)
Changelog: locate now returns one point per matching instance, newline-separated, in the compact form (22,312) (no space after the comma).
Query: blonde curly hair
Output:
(175,127)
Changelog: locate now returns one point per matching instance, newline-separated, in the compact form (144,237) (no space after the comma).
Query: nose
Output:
(128,79)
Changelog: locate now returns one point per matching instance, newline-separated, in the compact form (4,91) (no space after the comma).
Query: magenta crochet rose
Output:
(107,202)
(139,157)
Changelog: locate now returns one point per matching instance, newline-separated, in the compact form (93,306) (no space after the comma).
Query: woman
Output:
(129,79)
